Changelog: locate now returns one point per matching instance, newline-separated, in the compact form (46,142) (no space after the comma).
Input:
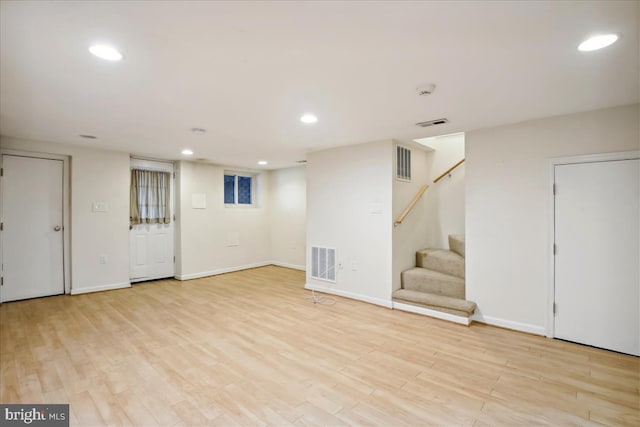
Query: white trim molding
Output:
(222,271)
(100,288)
(509,324)
(431,313)
(287,265)
(350,295)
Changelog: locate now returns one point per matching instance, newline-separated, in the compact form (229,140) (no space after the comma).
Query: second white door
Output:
(597,273)
(32,235)
(151,245)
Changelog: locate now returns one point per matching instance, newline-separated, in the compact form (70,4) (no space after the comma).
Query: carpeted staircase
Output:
(437,281)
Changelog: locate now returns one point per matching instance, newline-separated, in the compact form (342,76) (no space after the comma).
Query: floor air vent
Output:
(323,263)
(432,123)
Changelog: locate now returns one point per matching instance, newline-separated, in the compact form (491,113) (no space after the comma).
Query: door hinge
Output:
(174,218)
(1,171)
(1,226)
(1,281)
(174,259)
(174,175)
(555,249)
(555,308)
(555,189)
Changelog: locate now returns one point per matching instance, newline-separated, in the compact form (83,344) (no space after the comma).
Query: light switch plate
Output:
(100,207)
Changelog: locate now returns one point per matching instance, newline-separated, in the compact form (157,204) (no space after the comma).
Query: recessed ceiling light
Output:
(308,118)
(597,42)
(105,52)
(263,162)
(187,152)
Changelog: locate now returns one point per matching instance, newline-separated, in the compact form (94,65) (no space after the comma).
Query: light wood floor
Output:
(248,348)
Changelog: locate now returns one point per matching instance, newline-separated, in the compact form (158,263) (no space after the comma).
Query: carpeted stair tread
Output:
(442,261)
(424,280)
(456,244)
(437,302)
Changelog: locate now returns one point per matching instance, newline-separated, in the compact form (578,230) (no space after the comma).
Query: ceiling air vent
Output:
(432,123)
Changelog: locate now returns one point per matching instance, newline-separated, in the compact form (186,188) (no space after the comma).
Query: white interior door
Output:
(151,245)
(597,264)
(32,221)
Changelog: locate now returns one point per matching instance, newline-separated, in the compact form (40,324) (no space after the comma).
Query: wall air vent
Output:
(403,163)
(432,123)
(323,263)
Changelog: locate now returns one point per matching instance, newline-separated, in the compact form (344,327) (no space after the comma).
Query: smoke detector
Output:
(426,89)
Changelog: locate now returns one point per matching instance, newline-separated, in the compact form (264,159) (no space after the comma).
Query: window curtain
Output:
(150,197)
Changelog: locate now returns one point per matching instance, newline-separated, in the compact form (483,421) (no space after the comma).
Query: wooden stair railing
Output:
(448,171)
(421,192)
(411,205)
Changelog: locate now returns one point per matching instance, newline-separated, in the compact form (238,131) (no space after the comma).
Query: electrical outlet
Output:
(354,265)
(102,259)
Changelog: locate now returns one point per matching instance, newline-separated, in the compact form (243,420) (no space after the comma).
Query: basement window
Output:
(238,189)
(403,163)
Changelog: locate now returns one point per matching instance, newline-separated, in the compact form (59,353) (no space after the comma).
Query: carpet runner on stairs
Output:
(437,282)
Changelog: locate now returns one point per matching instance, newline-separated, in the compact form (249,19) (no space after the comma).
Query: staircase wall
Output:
(448,194)
(445,211)
(440,212)
(413,234)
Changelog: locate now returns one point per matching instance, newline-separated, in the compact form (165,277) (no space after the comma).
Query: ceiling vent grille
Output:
(432,123)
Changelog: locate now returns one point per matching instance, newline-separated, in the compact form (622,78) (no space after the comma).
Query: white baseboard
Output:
(222,271)
(510,324)
(359,297)
(287,265)
(86,290)
(431,313)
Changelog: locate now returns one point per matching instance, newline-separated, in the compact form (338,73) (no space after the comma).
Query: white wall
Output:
(288,216)
(349,203)
(450,191)
(202,235)
(415,232)
(507,213)
(446,207)
(96,175)
(206,236)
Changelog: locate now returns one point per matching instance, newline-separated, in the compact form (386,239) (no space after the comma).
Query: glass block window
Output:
(238,189)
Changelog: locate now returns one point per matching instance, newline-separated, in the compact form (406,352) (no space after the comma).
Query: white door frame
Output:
(66,207)
(551,261)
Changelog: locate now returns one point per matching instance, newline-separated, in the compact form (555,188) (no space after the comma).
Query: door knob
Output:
(57,228)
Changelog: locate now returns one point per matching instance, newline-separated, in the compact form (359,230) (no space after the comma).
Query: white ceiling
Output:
(246,71)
